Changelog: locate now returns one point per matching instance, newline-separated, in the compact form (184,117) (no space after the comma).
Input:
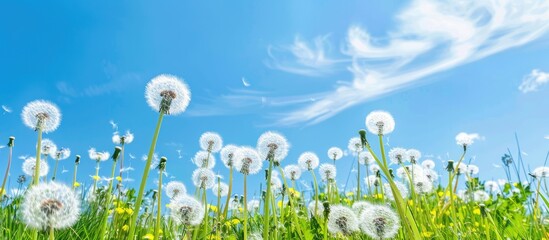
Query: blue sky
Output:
(315,69)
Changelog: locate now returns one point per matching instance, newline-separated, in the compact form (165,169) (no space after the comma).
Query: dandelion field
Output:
(400,195)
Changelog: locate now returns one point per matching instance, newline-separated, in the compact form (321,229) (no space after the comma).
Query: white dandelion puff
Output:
(402,189)
(327,171)
(379,222)
(481,196)
(431,174)
(271,144)
(491,186)
(541,172)
(428,164)
(360,206)
(203,159)
(319,208)
(48,147)
(175,189)
(398,155)
(342,220)
(466,139)
(29,165)
(422,185)
(293,172)
(98,156)
(372,181)
(220,190)
(335,153)
(255,236)
(365,158)
(308,161)
(247,161)
(122,139)
(472,169)
(63,154)
(187,210)
(413,155)
(211,142)
(168,94)
(203,178)
(234,204)
(50,205)
(380,123)
(355,145)
(253,205)
(276,184)
(375,168)
(41,114)
(227,155)
(462,168)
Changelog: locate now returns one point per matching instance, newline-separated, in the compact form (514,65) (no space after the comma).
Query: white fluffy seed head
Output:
(211,141)
(247,161)
(380,122)
(175,189)
(187,211)
(43,114)
(220,190)
(360,206)
(342,220)
(481,196)
(472,169)
(319,208)
(422,185)
(491,186)
(372,181)
(203,178)
(355,145)
(327,171)
(253,205)
(227,155)
(308,161)
(293,172)
(466,139)
(413,155)
(428,164)
(374,168)
(541,172)
(29,165)
(203,159)
(168,93)
(462,168)
(98,156)
(398,155)
(335,153)
(50,205)
(276,184)
(62,154)
(48,147)
(431,174)
(402,189)
(379,222)
(122,139)
(365,158)
(273,144)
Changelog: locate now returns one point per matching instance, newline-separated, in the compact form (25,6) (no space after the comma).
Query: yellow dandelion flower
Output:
(410,202)
(279,204)
(235,221)
(129,211)
(212,208)
(477,224)
(440,194)
(434,212)
(76,184)
(148,236)
(96,178)
(294,193)
(476,211)
(118,178)
(125,228)
(427,234)
(349,194)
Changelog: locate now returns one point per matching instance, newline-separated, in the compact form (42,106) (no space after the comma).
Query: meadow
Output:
(400,195)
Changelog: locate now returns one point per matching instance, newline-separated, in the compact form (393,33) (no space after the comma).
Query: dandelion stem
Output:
(267,199)
(74,176)
(55,169)
(316,191)
(107,204)
(159,206)
(36,178)
(52,234)
(131,233)
(245,209)
(226,208)
(3,189)
(358,194)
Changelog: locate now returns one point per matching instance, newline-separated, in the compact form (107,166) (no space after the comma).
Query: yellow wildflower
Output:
(279,204)
(235,221)
(129,211)
(476,211)
(119,210)
(410,202)
(96,178)
(76,184)
(125,228)
(118,178)
(212,208)
(427,234)
(148,236)
(348,194)
(293,193)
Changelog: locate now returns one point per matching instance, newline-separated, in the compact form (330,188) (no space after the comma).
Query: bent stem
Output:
(131,232)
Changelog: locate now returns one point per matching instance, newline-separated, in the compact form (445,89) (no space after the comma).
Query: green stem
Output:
(55,169)
(358,194)
(159,207)
(226,207)
(107,204)
(52,234)
(36,178)
(245,210)
(316,191)
(74,176)
(266,203)
(96,176)
(133,219)
(3,190)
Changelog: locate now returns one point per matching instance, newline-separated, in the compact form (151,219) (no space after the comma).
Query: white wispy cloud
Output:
(533,81)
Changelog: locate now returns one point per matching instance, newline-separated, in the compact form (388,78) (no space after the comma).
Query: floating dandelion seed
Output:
(293,172)
(203,159)
(175,189)
(541,172)
(402,189)
(413,155)
(203,178)
(342,220)
(428,164)
(29,165)
(211,142)
(398,155)
(253,205)
(319,208)
(379,222)
(365,158)
(41,114)
(220,190)
(48,147)
(122,139)
(327,171)
(247,161)
(308,161)
(335,153)
(360,206)
(272,145)
(481,196)
(227,155)
(380,123)
(187,210)
(50,205)
(168,94)
(355,145)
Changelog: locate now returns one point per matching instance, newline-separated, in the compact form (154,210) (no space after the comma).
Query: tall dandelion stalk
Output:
(103,230)
(166,94)
(10,146)
(161,168)
(76,163)
(247,161)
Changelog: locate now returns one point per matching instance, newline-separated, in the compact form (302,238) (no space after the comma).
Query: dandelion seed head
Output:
(175,189)
(491,186)
(253,205)
(220,190)
(293,172)
(466,139)
(168,93)
(276,184)
(48,147)
(203,178)
(360,206)
(355,145)
(247,161)
(273,144)
(122,139)
(472,169)
(40,113)
(327,171)
(227,155)
(428,164)
(98,156)
(462,168)
(63,154)
(342,220)
(398,155)
(372,181)
(203,159)
(50,205)
(319,208)
(541,172)
(187,211)
(365,158)
(413,155)
(380,122)
(402,189)
(464,196)
(234,203)
(422,185)
(308,161)
(211,141)
(29,166)
(255,236)
(481,196)
(431,174)
(335,153)
(379,222)
(374,168)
